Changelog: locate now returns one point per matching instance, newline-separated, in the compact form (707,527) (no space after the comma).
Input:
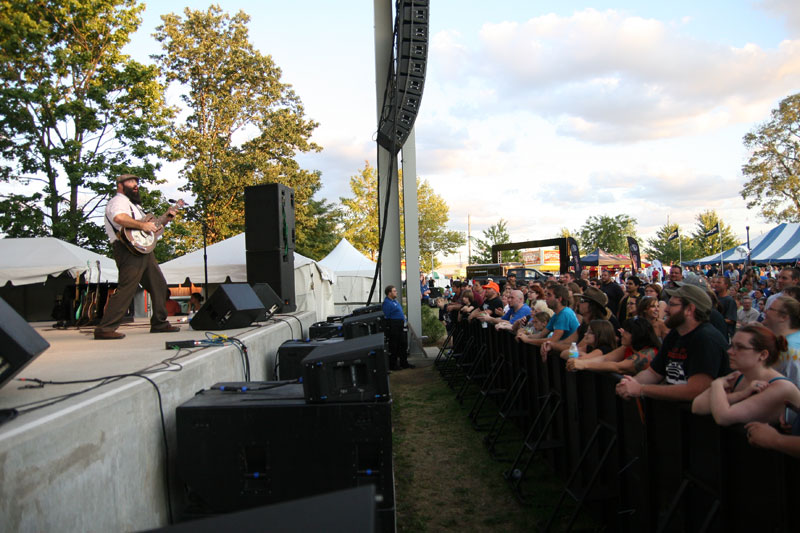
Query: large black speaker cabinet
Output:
(343,511)
(349,371)
(239,450)
(232,305)
(19,343)
(277,270)
(291,354)
(360,325)
(269,218)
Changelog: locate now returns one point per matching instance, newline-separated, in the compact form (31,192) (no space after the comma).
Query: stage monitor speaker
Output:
(259,443)
(269,298)
(19,343)
(353,370)
(291,354)
(325,330)
(231,306)
(374,308)
(361,325)
(269,218)
(276,269)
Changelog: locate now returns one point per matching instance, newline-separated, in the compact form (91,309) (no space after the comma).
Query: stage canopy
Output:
(31,260)
(781,244)
(600,257)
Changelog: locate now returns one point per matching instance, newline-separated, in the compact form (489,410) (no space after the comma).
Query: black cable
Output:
(298,321)
(287,323)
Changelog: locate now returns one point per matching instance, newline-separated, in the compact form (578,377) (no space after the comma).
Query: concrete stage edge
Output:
(95,462)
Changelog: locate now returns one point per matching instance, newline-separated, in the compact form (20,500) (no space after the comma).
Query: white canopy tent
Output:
(35,272)
(32,260)
(354,273)
(227,262)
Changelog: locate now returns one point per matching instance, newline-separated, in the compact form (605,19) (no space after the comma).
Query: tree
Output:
(320,239)
(496,234)
(607,232)
(75,112)
(705,246)
(359,216)
(244,125)
(774,165)
(360,212)
(668,252)
(434,237)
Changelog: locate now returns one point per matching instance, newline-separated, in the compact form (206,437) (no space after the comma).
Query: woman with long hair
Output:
(754,392)
(638,348)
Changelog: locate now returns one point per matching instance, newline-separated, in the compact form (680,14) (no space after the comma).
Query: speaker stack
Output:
(405,91)
(270,239)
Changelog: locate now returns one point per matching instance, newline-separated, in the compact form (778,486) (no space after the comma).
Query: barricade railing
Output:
(638,465)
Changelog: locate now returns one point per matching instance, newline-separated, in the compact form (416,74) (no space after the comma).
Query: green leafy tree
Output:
(323,237)
(359,213)
(434,237)
(774,165)
(495,234)
(704,246)
(359,216)
(244,126)
(75,112)
(668,252)
(607,232)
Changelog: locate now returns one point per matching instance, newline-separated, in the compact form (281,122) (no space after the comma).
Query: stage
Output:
(95,461)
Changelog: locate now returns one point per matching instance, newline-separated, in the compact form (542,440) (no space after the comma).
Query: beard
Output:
(675,320)
(132,195)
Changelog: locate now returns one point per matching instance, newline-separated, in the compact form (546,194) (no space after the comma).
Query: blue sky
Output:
(545,113)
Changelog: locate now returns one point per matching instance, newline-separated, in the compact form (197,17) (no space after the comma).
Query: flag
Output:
(633,248)
(673,235)
(713,231)
(576,256)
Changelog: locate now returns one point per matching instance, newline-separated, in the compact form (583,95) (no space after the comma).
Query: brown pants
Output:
(133,270)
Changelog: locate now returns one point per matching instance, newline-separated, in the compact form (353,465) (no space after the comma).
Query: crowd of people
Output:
(727,340)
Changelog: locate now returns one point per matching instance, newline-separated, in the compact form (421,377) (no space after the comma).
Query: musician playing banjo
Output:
(123,212)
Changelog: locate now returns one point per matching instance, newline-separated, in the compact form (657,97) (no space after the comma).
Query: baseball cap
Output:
(692,293)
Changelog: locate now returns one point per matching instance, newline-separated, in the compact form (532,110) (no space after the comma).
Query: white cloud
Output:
(608,77)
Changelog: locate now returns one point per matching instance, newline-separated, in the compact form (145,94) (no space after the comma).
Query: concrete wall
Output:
(98,463)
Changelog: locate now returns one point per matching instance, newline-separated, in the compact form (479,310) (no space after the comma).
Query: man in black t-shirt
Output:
(692,355)
(492,305)
(726,303)
(612,290)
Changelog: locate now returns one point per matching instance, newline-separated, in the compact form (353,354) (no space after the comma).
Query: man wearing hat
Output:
(124,211)
(692,355)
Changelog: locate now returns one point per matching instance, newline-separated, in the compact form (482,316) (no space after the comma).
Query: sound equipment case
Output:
(291,354)
(238,450)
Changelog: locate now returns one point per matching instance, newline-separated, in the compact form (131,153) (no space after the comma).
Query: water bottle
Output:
(573,350)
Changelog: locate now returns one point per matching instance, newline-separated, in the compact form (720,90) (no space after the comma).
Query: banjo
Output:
(142,242)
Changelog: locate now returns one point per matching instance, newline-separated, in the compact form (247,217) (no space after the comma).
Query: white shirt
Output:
(120,204)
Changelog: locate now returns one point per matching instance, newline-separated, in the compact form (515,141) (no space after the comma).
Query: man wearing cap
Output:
(492,304)
(124,211)
(692,355)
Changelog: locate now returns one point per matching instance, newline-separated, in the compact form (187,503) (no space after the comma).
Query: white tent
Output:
(32,260)
(227,262)
(354,274)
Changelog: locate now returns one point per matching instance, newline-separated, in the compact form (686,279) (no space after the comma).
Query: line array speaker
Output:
(406,87)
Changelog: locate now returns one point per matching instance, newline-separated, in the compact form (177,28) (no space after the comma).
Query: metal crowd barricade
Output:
(639,465)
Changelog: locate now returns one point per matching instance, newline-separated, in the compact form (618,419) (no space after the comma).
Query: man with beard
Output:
(692,355)
(124,211)
(675,279)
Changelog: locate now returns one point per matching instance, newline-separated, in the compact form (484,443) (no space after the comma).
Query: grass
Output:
(445,478)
